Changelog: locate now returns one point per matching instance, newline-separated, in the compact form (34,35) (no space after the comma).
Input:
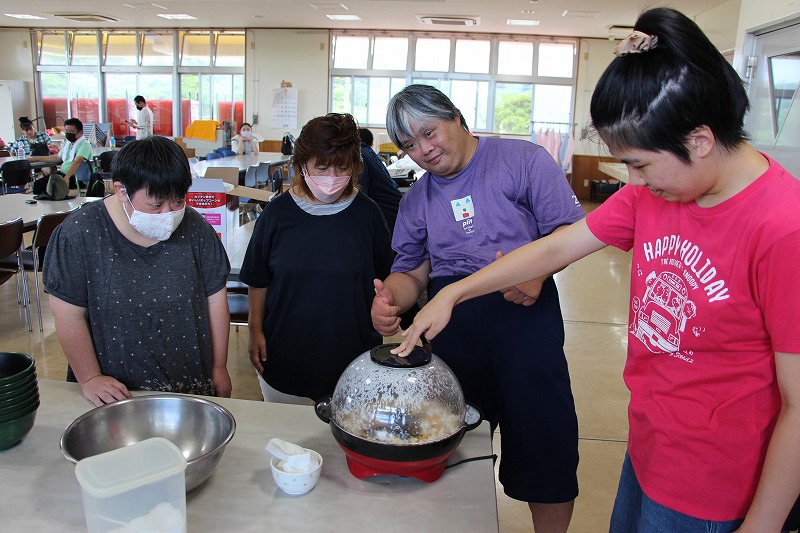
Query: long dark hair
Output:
(653,100)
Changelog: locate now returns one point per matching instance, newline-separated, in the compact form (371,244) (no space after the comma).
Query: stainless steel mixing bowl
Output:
(200,428)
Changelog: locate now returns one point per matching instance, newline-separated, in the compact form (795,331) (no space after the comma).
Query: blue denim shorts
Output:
(634,512)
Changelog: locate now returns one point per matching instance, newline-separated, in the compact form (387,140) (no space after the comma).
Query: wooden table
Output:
(13,206)
(39,491)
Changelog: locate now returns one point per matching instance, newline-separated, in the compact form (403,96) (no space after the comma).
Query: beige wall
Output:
(720,24)
(758,13)
(593,57)
(296,56)
(17,63)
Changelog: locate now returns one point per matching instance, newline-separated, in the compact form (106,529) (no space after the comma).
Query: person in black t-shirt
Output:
(310,265)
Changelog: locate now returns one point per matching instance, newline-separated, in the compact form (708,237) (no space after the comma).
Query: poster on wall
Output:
(284,108)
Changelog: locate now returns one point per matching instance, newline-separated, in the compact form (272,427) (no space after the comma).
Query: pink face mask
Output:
(326,189)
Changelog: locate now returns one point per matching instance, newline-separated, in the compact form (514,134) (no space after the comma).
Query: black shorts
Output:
(510,362)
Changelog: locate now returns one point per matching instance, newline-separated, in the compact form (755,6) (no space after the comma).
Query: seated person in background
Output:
(244,143)
(137,284)
(375,181)
(29,136)
(73,153)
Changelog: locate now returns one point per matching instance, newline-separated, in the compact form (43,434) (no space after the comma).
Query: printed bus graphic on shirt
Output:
(660,316)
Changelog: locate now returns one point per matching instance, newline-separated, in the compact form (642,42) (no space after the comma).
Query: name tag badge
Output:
(463,208)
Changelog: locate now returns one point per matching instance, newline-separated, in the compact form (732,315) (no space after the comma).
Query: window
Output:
(54,93)
(512,108)
(121,49)
(472,56)
(555,59)
(84,96)
(52,48)
(158,50)
(432,55)
(84,48)
(515,58)
(217,97)
(196,50)
(230,50)
(507,84)
(351,52)
(391,53)
(208,66)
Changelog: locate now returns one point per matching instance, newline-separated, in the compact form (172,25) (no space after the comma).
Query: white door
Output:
(774,78)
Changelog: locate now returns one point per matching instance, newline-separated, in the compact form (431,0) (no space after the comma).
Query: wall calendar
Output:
(284,108)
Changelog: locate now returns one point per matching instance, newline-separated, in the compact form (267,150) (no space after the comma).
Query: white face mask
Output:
(158,226)
(247,134)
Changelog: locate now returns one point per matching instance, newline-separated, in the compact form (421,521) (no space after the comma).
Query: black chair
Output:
(16,173)
(32,257)
(276,179)
(237,303)
(10,263)
(105,159)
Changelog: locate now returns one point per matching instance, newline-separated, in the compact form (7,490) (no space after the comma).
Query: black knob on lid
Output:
(383,356)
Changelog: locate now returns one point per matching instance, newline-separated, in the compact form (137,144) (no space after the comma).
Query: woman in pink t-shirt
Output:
(713,348)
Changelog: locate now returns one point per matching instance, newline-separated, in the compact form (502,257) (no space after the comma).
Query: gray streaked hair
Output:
(418,104)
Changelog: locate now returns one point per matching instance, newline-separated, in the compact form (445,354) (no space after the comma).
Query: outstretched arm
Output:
(534,260)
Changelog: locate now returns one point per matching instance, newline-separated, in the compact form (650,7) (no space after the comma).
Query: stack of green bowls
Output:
(19,397)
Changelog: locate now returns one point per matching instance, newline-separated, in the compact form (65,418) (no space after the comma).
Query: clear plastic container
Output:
(137,488)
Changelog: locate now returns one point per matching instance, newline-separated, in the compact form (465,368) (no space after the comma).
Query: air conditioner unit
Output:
(449,20)
(85,17)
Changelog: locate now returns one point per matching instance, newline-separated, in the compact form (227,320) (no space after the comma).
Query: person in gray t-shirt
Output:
(137,284)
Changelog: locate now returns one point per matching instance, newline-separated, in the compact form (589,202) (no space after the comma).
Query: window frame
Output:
(492,77)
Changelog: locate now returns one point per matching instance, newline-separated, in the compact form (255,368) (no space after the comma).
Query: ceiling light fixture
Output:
(343,17)
(522,22)
(23,16)
(176,16)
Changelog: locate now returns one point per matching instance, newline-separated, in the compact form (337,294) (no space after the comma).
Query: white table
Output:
(617,171)
(238,239)
(39,491)
(36,165)
(406,164)
(240,161)
(96,151)
(13,206)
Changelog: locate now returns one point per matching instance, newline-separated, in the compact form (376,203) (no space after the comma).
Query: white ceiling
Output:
(580,18)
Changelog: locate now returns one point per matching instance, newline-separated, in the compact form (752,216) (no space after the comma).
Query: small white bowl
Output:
(295,483)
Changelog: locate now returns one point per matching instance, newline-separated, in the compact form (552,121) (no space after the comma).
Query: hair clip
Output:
(635,43)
